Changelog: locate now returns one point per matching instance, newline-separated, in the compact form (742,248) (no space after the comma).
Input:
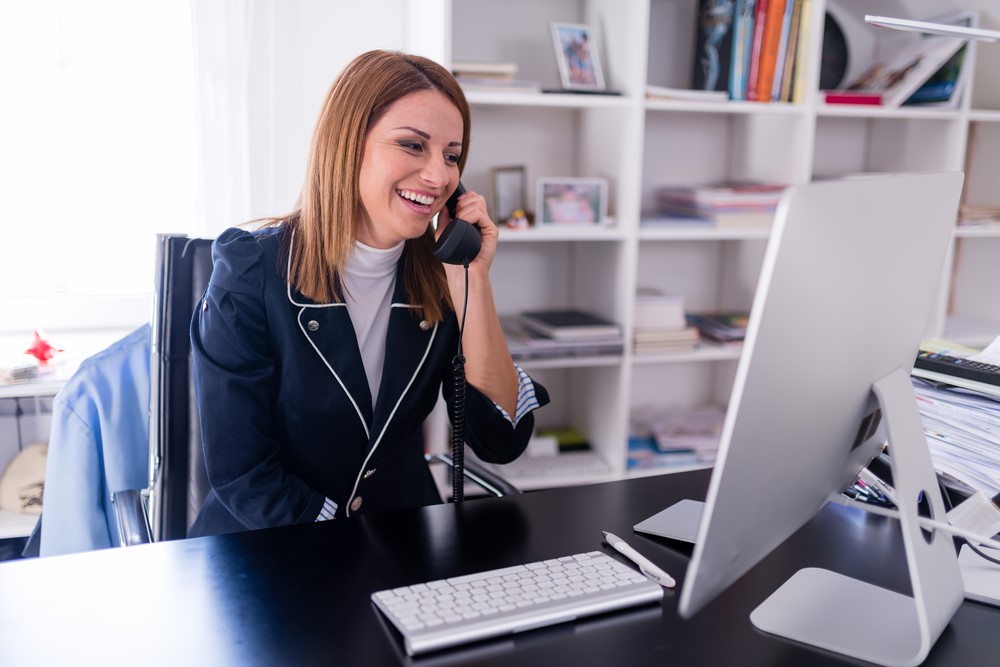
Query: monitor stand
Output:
(820,607)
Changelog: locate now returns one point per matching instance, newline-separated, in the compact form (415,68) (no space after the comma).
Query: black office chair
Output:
(178,481)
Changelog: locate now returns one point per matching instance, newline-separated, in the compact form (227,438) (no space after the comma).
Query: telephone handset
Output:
(460,241)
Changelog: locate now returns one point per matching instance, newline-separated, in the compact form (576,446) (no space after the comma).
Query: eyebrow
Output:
(426,136)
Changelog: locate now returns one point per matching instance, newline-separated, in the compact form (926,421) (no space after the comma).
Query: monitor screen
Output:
(846,288)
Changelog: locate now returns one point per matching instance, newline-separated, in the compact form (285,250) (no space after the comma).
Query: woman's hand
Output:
(472,208)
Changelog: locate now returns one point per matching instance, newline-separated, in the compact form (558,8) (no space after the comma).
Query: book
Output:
(484,69)
(665,93)
(743,17)
(944,88)
(798,91)
(904,68)
(779,63)
(725,326)
(851,97)
(753,67)
(657,311)
(681,340)
(713,45)
(478,83)
(570,325)
(770,42)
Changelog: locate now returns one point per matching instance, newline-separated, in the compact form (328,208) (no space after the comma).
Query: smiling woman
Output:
(100,154)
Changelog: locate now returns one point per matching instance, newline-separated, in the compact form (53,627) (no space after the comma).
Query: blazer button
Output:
(313,325)
(424,325)
(356,504)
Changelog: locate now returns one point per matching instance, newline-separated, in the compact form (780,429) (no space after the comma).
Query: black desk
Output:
(300,595)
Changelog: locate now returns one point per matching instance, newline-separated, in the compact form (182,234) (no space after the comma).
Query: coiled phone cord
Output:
(458,416)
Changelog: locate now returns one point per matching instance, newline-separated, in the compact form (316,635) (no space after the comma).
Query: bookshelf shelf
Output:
(769,108)
(561,100)
(699,233)
(977,232)
(984,115)
(705,352)
(641,144)
(563,233)
(869,111)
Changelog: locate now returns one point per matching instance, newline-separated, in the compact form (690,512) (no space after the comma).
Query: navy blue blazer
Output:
(285,406)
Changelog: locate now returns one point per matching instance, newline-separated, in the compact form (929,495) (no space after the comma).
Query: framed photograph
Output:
(572,201)
(508,192)
(577,56)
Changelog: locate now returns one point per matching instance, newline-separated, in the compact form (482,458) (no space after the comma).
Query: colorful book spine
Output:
(799,77)
(769,49)
(753,71)
(779,66)
(785,94)
(742,43)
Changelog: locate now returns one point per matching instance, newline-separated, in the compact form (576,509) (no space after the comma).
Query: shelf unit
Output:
(640,144)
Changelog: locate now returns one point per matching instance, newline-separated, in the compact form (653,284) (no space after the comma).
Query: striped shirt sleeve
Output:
(526,399)
(327,511)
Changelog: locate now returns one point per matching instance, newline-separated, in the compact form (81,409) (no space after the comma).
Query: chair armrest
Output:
(133,523)
(485,479)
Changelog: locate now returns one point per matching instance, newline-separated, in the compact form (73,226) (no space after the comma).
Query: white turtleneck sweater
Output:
(369,281)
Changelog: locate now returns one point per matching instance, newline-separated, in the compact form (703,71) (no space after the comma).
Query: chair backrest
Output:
(178,480)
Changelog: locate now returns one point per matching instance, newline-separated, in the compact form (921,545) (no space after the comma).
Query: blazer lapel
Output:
(406,347)
(328,329)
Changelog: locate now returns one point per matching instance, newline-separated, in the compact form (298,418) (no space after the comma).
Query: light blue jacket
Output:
(99,444)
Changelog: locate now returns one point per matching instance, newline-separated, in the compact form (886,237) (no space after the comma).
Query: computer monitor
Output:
(845,291)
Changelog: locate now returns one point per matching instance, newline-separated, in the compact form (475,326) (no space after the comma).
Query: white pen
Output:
(646,567)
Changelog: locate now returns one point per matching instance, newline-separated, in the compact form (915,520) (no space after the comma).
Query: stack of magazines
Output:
(560,333)
(729,205)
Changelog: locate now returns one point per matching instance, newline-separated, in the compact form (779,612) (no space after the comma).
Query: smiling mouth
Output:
(417,201)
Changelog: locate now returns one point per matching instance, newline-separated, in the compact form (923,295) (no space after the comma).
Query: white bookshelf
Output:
(640,144)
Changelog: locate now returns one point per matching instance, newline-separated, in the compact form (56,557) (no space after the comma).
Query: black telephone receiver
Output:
(460,241)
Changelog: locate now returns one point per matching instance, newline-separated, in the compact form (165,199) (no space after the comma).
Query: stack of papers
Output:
(963,433)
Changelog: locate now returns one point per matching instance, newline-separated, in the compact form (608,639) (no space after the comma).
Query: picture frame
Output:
(577,55)
(509,192)
(572,201)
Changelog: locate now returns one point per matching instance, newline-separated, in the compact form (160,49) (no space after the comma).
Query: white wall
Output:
(294,50)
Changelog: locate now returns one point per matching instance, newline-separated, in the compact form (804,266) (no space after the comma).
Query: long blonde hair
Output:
(325,218)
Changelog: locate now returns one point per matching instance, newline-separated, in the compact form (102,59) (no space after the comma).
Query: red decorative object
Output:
(41,349)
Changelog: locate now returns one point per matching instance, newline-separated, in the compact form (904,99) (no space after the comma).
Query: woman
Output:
(325,337)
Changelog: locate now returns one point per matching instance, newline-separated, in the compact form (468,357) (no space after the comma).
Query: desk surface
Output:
(300,595)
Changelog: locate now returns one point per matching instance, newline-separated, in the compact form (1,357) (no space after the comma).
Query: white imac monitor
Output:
(848,280)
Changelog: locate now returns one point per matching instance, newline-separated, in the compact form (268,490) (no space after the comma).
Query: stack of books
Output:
(984,214)
(726,205)
(675,437)
(560,333)
(660,323)
(723,327)
(491,76)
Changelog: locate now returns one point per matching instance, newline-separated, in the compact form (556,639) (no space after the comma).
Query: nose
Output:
(435,173)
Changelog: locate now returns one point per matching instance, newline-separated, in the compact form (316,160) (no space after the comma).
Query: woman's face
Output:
(409,168)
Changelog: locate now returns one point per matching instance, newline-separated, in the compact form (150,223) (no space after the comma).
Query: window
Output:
(100,152)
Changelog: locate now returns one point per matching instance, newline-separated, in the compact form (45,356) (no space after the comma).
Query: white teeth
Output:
(413,196)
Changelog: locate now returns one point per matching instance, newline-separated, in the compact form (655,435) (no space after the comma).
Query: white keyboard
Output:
(449,612)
